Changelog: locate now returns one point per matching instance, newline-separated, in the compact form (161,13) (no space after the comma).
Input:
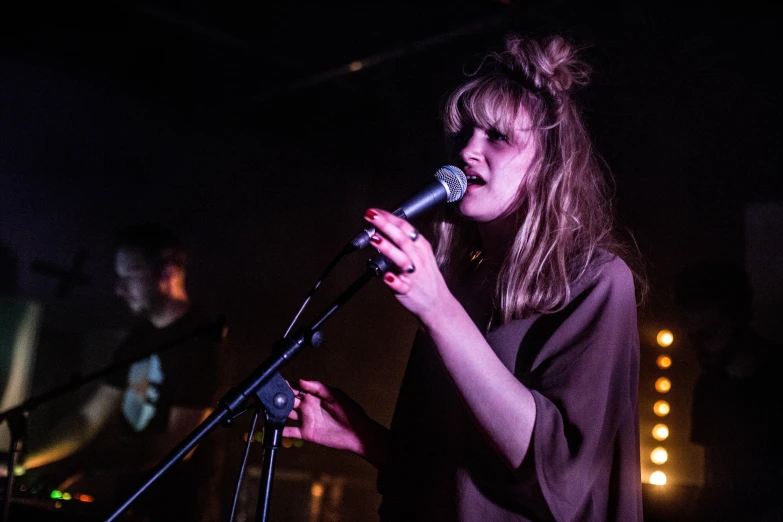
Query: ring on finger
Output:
(411,268)
(414,235)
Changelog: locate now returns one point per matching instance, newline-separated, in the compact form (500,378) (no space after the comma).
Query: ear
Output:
(172,278)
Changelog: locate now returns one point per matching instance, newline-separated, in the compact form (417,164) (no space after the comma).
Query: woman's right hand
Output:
(327,416)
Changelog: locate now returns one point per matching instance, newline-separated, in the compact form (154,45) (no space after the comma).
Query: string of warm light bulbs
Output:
(660,432)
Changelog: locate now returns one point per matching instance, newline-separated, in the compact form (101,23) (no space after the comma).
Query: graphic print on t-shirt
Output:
(141,396)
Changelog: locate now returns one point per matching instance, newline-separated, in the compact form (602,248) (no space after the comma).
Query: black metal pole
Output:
(241,473)
(273,433)
(178,453)
(263,385)
(216,329)
(17,427)
(16,417)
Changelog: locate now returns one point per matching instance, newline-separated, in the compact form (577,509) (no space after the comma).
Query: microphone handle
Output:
(427,198)
(434,193)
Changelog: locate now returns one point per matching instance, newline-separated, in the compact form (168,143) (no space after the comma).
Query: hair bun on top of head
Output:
(550,66)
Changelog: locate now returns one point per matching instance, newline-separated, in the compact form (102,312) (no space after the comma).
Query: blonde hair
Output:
(563,209)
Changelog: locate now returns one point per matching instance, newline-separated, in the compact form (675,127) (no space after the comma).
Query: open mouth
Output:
(475,180)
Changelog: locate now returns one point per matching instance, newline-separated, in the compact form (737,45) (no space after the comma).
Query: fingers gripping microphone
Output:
(448,186)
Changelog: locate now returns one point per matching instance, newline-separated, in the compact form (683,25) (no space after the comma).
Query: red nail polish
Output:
(375,239)
(371,214)
(389,278)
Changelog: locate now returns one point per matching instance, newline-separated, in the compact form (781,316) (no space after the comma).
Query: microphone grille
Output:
(455,181)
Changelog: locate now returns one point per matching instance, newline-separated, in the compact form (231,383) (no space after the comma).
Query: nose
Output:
(471,150)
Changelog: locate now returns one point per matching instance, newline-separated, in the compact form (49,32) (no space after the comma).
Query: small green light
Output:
(57,494)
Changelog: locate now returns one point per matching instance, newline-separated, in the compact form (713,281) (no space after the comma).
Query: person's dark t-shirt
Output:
(182,375)
(185,373)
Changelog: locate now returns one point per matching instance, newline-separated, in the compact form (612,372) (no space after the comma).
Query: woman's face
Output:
(495,165)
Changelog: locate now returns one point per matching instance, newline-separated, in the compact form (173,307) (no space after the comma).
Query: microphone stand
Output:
(16,417)
(265,386)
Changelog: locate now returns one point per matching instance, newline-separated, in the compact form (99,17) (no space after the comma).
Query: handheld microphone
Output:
(448,186)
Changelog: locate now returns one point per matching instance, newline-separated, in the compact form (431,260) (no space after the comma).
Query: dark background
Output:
(244,129)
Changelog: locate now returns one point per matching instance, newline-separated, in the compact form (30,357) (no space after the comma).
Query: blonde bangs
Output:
(488,103)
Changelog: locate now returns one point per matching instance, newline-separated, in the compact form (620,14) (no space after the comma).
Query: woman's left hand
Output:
(418,284)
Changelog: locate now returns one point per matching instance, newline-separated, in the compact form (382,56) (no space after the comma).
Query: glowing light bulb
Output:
(658,478)
(660,432)
(317,490)
(665,338)
(659,455)
(663,385)
(661,408)
(663,361)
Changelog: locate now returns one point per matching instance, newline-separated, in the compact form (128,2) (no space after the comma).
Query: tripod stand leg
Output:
(17,426)
(13,459)
(273,433)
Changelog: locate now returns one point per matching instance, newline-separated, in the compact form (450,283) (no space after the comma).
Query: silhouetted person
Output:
(737,404)
(136,417)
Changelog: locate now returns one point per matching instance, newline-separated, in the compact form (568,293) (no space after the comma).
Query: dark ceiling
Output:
(210,59)
(239,64)
(216,60)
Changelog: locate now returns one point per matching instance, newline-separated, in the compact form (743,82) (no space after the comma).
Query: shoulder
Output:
(602,299)
(606,273)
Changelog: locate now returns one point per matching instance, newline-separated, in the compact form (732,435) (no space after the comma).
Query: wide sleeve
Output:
(584,380)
